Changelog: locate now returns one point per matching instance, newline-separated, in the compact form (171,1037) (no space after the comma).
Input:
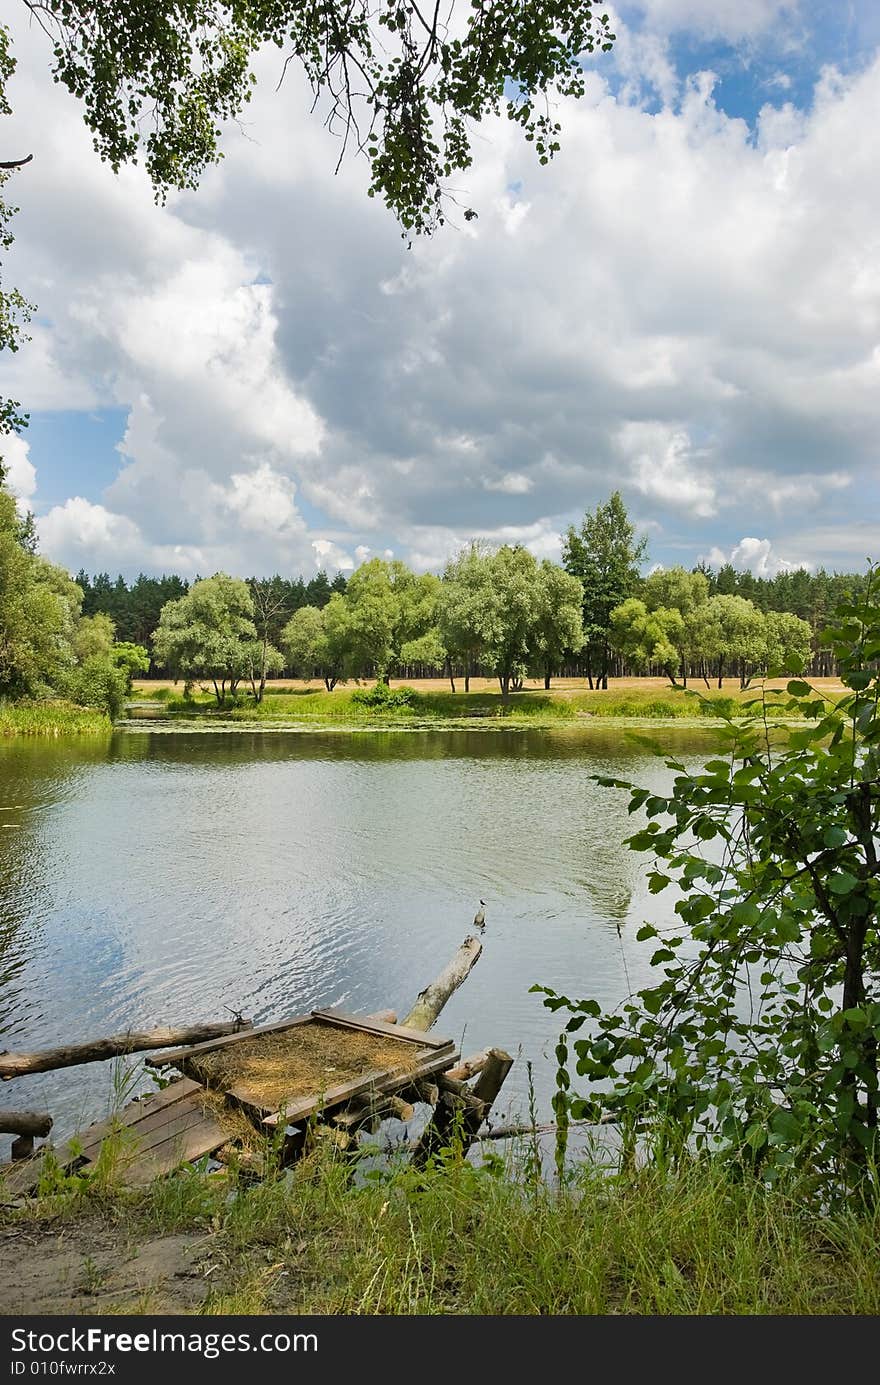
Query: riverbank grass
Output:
(54,718)
(460,1239)
(409,705)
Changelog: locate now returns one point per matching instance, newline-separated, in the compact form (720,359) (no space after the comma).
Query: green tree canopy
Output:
(644,636)
(209,634)
(558,629)
(313,641)
(605,555)
(39,610)
(758,1038)
(788,642)
(404,85)
(15,310)
(386,608)
(460,607)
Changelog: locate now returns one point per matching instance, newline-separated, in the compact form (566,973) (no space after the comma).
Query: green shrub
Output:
(384,698)
(97,682)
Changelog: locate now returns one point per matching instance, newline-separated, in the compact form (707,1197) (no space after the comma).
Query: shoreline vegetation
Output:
(422,704)
(456,1238)
(429,702)
(52,718)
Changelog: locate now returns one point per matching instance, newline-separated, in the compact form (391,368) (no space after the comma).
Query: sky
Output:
(685,305)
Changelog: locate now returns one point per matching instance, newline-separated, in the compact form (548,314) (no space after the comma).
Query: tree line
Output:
(48,646)
(135,608)
(496,612)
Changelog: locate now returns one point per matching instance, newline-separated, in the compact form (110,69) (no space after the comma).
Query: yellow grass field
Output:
(561,687)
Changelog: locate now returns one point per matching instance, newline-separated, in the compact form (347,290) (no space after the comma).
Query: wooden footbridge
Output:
(280,1081)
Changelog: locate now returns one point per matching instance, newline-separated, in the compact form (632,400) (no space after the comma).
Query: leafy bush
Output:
(760,1036)
(99,683)
(383,698)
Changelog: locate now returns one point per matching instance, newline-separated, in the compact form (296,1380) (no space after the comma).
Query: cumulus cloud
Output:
(757,556)
(21,474)
(511,483)
(679,306)
(665,467)
(726,19)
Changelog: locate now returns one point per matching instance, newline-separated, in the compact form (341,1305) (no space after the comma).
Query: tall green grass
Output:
(55,718)
(459,1239)
(356,705)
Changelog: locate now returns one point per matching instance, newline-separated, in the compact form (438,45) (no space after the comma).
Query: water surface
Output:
(171,877)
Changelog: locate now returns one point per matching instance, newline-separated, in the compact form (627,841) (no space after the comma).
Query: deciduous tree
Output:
(209,634)
(403,84)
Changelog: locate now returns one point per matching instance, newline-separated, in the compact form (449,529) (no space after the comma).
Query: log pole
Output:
(98,1050)
(459,1112)
(432,999)
(25,1123)
(467,1068)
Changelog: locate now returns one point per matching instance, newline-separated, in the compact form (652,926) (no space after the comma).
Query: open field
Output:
(431,701)
(561,687)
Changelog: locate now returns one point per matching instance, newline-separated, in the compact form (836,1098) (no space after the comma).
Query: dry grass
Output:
(305,1061)
(561,687)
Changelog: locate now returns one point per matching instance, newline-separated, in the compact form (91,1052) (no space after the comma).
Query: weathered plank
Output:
(300,1106)
(84,1148)
(174,1055)
(372,1025)
(200,1135)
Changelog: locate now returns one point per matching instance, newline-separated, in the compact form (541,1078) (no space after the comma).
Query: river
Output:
(167,877)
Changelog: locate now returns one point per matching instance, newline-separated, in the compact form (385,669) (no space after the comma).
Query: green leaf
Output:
(834,836)
(843,883)
(745,914)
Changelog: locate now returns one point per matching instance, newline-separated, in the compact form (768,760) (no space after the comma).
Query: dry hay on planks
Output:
(308,1060)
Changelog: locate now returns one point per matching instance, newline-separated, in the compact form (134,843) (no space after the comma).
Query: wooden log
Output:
(491,1079)
(453,1117)
(468,1067)
(432,999)
(372,1111)
(460,1112)
(25,1123)
(98,1050)
(511,1132)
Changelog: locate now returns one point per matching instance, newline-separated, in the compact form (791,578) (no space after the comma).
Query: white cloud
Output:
(329,554)
(724,19)
(665,467)
(511,483)
(678,305)
(756,556)
(82,534)
(21,474)
(263,501)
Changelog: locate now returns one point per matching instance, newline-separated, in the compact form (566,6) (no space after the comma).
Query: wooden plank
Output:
(142,1108)
(161,1124)
(298,1107)
(374,1026)
(190,1114)
(25,1177)
(173,1055)
(329,1016)
(202,1137)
